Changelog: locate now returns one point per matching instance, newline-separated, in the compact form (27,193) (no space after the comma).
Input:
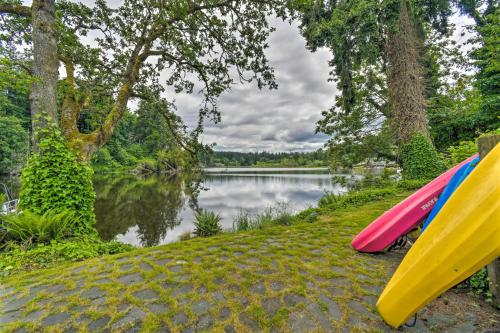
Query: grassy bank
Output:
(287,278)
(17,258)
(261,279)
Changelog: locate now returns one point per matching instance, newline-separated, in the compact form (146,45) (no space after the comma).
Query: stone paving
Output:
(303,278)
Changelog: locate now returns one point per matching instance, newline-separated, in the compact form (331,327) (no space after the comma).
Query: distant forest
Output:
(266,159)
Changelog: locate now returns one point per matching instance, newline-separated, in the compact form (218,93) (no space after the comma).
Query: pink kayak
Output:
(403,217)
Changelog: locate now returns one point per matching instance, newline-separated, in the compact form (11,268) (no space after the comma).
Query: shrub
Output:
(125,158)
(28,226)
(277,215)
(53,180)
(172,160)
(263,219)
(411,184)
(207,224)
(312,217)
(370,180)
(458,153)
(281,214)
(328,199)
(136,150)
(19,258)
(333,201)
(311,214)
(242,221)
(146,166)
(420,160)
(478,284)
(185,236)
(102,157)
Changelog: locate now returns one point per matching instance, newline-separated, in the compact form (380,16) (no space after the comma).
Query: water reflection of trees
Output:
(152,204)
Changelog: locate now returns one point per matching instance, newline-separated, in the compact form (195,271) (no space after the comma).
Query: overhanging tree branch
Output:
(15,9)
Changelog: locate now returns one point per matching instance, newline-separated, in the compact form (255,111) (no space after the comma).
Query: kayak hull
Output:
(464,237)
(403,217)
(454,183)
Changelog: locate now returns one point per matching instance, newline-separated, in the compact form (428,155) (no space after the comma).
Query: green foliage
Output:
(331,201)
(479,284)
(452,116)
(243,221)
(312,217)
(278,214)
(103,158)
(420,160)
(13,144)
(172,160)
(53,180)
(207,224)
(14,82)
(30,227)
(487,59)
(18,258)
(123,157)
(351,150)
(411,184)
(146,143)
(371,180)
(317,158)
(460,152)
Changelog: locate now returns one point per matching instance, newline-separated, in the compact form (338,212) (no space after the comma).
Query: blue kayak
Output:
(454,183)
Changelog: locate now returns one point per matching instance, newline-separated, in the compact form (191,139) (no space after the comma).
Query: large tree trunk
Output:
(45,62)
(404,80)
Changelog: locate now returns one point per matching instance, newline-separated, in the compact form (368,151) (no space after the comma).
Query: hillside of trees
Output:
(317,158)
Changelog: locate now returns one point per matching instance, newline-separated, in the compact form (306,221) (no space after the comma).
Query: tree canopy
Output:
(142,48)
(389,60)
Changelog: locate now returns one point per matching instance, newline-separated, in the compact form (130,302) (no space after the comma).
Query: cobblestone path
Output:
(303,278)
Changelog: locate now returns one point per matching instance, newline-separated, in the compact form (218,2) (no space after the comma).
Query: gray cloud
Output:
(277,120)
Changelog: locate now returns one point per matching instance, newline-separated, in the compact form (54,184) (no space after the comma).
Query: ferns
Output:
(28,226)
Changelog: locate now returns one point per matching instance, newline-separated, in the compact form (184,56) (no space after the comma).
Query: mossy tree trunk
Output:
(86,144)
(405,81)
(45,62)
(406,99)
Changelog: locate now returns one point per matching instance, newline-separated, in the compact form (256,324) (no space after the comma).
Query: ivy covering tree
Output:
(53,180)
(385,67)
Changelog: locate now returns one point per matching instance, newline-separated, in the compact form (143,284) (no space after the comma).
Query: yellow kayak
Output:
(463,238)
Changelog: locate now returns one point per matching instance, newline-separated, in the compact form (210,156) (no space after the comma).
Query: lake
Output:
(157,210)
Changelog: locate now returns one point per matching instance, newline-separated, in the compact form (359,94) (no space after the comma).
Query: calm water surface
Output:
(157,210)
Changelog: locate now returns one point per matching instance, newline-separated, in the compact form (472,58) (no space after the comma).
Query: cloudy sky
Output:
(277,120)
(283,119)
